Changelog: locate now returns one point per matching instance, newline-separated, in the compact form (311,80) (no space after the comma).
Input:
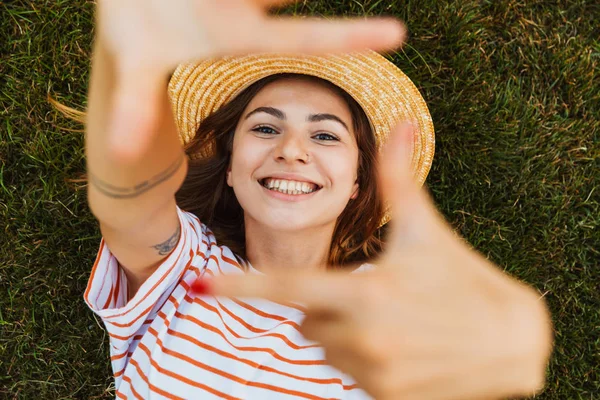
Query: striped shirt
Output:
(167,343)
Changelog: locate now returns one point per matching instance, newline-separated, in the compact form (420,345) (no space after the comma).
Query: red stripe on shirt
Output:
(246,361)
(180,377)
(244,348)
(229,376)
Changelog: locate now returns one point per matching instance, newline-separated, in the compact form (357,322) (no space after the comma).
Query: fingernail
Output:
(201,286)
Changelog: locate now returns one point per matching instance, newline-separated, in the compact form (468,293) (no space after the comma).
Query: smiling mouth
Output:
(288,186)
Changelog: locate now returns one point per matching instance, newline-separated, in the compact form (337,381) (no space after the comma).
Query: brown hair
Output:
(205,192)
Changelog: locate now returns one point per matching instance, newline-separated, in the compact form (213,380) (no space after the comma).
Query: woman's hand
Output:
(147,39)
(434,320)
(160,34)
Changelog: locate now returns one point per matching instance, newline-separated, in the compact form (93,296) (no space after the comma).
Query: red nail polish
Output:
(201,286)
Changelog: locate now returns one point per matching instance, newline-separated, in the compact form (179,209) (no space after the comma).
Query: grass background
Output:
(514,91)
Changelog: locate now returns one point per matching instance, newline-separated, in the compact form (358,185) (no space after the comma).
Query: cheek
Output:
(247,156)
(343,167)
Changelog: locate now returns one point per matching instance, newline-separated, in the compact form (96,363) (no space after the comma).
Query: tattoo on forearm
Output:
(165,247)
(130,192)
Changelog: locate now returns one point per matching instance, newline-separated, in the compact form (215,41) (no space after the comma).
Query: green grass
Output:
(514,91)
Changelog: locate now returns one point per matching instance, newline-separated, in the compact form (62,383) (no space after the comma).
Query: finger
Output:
(316,35)
(345,360)
(320,291)
(327,328)
(396,177)
(134,114)
(337,336)
(413,214)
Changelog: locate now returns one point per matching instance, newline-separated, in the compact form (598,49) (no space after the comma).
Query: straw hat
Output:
(386,95)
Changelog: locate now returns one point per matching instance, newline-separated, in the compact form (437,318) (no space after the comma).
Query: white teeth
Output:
(289,187)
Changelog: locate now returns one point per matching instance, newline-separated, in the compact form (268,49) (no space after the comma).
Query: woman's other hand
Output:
(147,39)
(435,320)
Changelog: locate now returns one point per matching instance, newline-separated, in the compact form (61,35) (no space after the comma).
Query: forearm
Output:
(120,193)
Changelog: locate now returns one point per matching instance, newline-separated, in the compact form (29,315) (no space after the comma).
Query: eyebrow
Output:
(311,118)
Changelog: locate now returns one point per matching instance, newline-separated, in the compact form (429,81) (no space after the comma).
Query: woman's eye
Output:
(326,137)
(265,130)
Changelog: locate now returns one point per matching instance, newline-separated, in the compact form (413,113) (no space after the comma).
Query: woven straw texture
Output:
(384,92)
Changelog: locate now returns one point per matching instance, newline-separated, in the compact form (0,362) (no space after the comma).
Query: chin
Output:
(290,225)
(292,222)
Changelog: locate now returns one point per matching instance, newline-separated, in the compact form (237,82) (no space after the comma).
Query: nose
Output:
(291,149)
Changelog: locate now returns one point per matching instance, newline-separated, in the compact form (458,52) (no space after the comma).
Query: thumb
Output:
(412,210)
(134,114)
(396,175)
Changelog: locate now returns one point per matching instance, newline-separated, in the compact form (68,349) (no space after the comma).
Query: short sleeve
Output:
(106,292)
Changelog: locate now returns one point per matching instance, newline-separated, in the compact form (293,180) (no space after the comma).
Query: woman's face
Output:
(295,158)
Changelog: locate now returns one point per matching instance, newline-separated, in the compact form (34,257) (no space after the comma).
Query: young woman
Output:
(249,263)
